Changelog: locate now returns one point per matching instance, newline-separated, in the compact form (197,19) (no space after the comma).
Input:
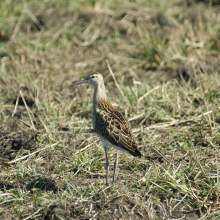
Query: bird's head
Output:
(94,79)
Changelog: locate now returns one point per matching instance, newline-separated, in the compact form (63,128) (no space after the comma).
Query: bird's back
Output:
(112,126)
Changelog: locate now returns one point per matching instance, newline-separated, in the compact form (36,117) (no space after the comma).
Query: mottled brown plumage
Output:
(109,125)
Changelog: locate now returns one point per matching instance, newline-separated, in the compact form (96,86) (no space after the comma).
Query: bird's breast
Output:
(94,113)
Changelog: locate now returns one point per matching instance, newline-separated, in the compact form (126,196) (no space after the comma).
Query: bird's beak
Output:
(80,82)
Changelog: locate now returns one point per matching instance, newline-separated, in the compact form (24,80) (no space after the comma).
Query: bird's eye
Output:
(93,77)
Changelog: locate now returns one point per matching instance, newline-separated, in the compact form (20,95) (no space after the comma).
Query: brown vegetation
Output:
(165,59)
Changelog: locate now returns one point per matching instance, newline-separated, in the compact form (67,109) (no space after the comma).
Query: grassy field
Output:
(165,57)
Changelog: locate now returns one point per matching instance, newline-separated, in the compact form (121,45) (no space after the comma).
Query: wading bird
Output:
(109,125)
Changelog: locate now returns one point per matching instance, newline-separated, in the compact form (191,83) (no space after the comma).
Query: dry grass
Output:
(165,59)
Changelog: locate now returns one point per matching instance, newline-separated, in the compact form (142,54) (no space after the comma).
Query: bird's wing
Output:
(115,128)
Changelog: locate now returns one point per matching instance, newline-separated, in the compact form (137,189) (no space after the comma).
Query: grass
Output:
(164,58)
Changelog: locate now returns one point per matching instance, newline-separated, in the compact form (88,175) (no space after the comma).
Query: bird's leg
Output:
(115,165)
(107,165)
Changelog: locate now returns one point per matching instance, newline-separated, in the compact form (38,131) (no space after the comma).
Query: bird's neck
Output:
(99,93)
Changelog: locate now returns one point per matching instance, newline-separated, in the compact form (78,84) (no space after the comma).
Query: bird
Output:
(109,124)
